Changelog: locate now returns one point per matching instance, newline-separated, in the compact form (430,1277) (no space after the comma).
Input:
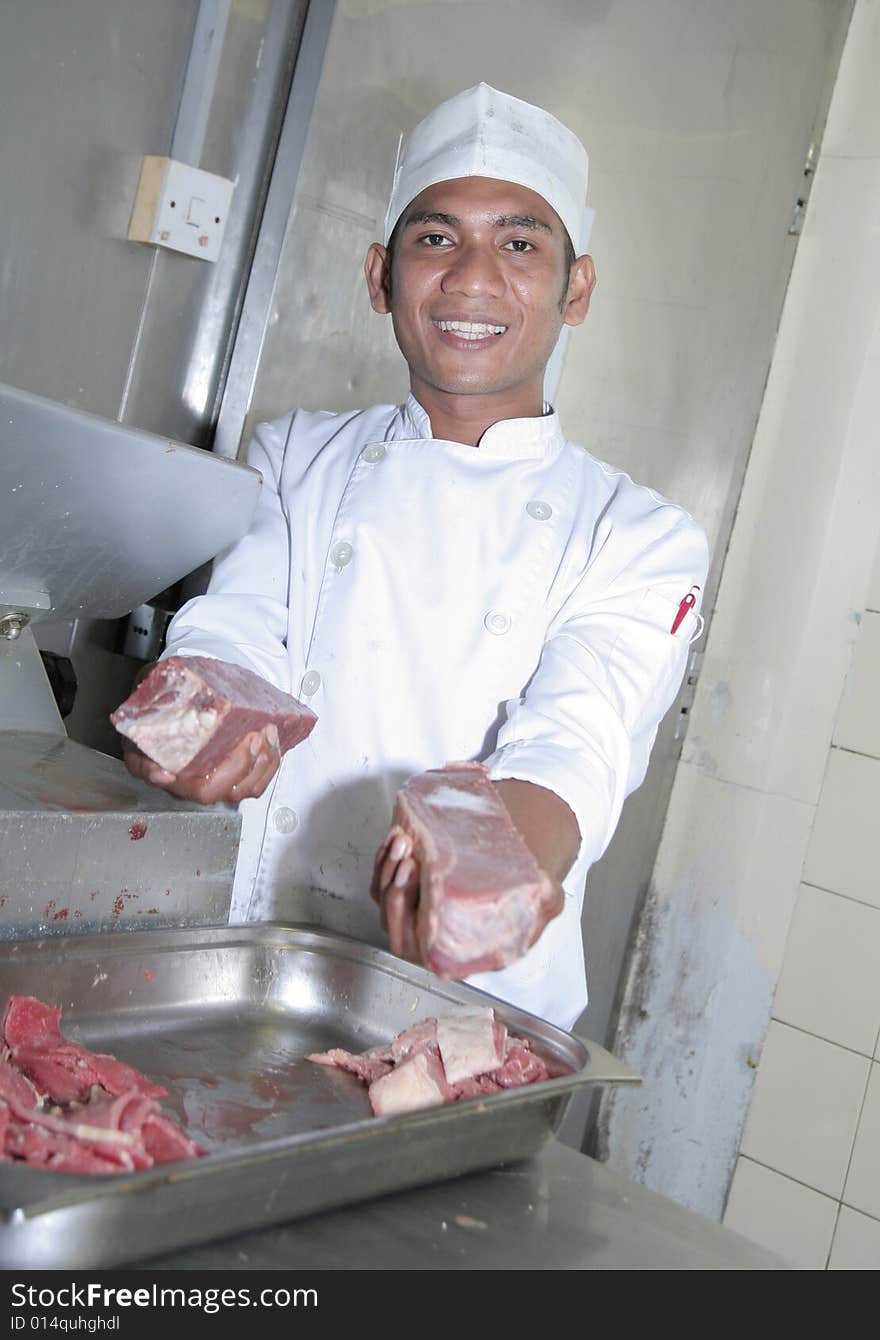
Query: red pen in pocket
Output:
(687,604)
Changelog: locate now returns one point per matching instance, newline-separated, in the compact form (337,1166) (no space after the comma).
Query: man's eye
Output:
(434,240)
(519,244)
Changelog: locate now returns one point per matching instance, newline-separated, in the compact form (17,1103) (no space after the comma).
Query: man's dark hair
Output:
(570,259)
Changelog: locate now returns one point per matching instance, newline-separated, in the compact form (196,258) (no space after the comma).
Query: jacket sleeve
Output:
(609,671)
(242,617)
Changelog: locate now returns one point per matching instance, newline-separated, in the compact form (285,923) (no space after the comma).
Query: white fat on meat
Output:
(417,1083)
(449,798)
(471,1043)
(176,733)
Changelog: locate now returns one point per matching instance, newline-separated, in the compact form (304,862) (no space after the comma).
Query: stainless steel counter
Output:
(560,1210)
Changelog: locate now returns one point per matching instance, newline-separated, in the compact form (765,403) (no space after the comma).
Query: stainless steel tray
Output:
(224,1018)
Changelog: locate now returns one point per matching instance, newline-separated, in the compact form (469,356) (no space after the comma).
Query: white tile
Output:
(858,720)
(853,126)
(862,1190)
(856,1242)
(844,850)
(830,980)
(805,1107)
(781,1215)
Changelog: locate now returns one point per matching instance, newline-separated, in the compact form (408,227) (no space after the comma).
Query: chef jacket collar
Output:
(509,439)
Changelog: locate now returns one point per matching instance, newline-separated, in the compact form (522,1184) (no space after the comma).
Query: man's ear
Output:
(581,282)
(378,273)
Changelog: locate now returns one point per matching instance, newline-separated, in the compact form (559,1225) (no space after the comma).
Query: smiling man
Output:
(451,578)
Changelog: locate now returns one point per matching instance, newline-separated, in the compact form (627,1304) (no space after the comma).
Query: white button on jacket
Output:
(564,685)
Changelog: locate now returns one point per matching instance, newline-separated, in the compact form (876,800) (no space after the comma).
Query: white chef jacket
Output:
(433,602)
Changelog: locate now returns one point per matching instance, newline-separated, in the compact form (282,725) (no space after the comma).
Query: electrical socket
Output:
(180,207)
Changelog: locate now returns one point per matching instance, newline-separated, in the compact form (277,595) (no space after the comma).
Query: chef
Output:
(451,578)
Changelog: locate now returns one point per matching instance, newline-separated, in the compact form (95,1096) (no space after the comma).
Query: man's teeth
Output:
(471,330)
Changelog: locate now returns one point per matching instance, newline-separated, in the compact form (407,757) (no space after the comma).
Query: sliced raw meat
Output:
(365,1066)
(63,1070)
(15,1089)
(521,1066)
(190,711)
(75,1110)
(165,1142)
(420,1038)
(468,1054)
(416,1083)
(482,896)
(471,1043)
(69,1072)
(114,1146)
(40,1148)
(380,1061)
(477,1087)
(30,1023)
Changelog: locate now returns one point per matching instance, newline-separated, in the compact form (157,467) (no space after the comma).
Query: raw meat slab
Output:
(482,895)
(190,711)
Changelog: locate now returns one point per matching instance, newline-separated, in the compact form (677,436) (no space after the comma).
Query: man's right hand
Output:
(245,772)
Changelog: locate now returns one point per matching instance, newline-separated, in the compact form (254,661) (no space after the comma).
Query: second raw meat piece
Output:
(482,895)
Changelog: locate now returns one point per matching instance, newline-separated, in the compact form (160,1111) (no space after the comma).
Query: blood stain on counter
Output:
(60,915)
(118,906)
(150,976)
(137,830)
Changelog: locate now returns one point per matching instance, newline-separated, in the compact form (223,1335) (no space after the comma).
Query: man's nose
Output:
(474,271)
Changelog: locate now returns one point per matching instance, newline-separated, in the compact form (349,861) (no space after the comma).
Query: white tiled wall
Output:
(830,981)
(858,722)
(856,1242)
(807,1180)
(773,1210)
(844,851)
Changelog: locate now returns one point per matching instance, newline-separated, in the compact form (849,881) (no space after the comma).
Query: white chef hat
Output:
(485,133)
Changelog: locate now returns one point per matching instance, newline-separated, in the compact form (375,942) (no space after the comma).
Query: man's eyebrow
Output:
(522,221)
(432,216)
(502,221)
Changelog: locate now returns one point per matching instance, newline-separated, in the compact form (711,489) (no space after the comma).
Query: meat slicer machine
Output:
(95,518)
